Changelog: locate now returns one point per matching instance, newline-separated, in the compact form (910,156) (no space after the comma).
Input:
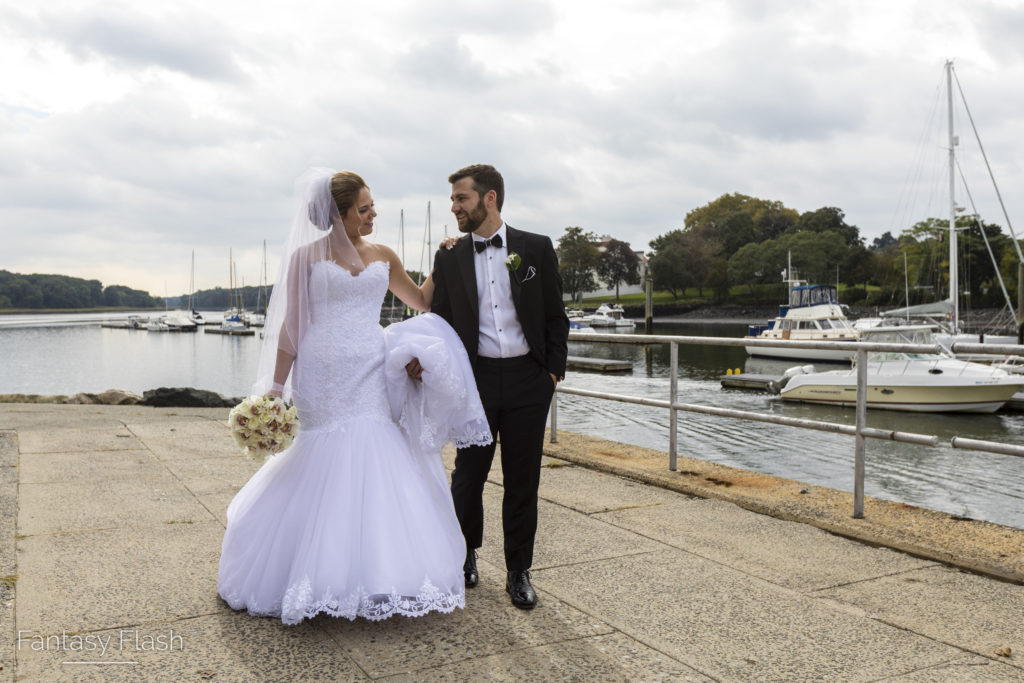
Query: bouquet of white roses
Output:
(263,425)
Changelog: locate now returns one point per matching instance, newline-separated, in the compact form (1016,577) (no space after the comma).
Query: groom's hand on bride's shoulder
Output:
(414,369)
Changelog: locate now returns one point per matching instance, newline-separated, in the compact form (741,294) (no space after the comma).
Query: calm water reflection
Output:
(69,354)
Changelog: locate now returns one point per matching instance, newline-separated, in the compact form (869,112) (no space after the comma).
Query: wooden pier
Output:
(748,381)
(598,364)
(231,332)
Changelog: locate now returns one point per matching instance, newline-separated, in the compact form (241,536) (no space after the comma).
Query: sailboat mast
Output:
(953,294)
(231,279)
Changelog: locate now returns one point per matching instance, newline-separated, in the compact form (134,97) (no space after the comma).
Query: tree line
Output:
(63,291)
(736,248)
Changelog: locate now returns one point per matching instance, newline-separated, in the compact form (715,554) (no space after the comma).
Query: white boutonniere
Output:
(512,261)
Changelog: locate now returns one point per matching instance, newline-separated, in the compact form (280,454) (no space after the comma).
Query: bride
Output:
(355,518)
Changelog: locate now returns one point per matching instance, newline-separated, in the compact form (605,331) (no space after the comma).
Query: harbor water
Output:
(67,354)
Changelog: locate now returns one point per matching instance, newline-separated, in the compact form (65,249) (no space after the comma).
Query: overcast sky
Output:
(134,133)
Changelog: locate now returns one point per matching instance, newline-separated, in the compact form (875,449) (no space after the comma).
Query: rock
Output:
(185,397)
(81,399)
(110,397)
(118,397)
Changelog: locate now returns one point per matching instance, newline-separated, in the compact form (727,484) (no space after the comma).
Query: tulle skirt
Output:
(348,522)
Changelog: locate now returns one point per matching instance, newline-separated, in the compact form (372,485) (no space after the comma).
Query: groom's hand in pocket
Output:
(414,369)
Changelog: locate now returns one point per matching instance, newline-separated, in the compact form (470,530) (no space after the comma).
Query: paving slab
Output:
(611,657)
(964,669)
(785,553)
(113,437)
(204,476)
(28,416)
(731,626)
(177,438)
(95,580)
(992,549)
(157,498)
(589,492)
(217,504)
(218,647)
(563,536)
(115,465)
(489,625)
(973,612)
(8,557)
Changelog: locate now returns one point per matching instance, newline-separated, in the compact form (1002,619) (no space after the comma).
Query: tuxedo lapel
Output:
(464,256)
(515,245)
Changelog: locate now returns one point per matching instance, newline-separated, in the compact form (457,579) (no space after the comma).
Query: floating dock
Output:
(748,381)
(598,364)
(246,332)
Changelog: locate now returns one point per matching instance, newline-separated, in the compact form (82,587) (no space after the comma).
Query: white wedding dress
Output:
(355,519)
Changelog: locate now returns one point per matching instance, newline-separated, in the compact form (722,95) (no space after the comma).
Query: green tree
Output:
(733,220)
(618,264)
(577,258)
(718,279)
(680,259)
(828,219)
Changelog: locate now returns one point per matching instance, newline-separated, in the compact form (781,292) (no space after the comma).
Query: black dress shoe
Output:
(518,586)
(469,569)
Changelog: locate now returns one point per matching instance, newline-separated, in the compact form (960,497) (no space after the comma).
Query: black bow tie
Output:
(483,244)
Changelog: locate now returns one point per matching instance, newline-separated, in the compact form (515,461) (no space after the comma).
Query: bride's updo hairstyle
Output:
(345,187)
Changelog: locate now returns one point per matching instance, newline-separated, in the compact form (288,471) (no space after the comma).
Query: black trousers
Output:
(516,394)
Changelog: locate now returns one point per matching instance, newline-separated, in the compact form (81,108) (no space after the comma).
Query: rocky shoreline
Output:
(163,397)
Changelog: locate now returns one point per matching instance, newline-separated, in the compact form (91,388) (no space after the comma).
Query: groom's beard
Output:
(474,218)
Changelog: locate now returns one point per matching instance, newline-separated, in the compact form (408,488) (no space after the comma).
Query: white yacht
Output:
(812,314)
(912,382)
(610,316)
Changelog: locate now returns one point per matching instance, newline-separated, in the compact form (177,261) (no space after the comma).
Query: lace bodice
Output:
(339,367)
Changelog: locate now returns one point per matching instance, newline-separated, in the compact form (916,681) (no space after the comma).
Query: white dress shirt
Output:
(501,335)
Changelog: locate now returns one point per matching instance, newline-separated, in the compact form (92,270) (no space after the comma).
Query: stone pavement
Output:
(113,517)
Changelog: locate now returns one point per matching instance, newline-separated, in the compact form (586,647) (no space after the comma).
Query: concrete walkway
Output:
(113,518)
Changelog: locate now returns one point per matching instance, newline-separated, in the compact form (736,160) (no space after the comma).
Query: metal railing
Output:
(859,430)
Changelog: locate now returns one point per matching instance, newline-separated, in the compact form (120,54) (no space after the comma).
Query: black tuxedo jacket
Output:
(536,292)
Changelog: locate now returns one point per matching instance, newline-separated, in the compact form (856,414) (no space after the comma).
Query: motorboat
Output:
(179,321)
(812,314)
(577,326)
(914,382)
(610,316)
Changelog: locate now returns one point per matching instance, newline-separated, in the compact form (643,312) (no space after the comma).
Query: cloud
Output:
(193,43)
(132,134)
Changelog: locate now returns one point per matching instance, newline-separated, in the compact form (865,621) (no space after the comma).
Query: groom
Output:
(501,292)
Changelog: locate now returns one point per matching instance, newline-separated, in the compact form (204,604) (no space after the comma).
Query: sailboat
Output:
(947,312)
(177,320)
(195,316)
(910,381)
(258,317)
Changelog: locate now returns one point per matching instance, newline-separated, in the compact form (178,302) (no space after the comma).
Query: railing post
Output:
(554,416)
(858,439)
(673,391)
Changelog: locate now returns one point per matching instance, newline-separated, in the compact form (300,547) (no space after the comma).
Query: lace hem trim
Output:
(299,603)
